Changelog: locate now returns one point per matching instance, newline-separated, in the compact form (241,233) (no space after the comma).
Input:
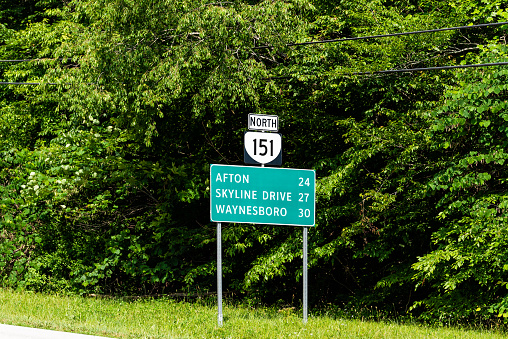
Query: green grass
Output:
(173,319)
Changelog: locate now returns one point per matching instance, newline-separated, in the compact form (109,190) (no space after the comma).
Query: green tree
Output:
(467,267)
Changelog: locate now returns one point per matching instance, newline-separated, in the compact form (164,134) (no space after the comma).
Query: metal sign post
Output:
(219,274)
(305,280)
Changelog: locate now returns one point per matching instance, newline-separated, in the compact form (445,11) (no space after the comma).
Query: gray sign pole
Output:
(219,273)
(305,278)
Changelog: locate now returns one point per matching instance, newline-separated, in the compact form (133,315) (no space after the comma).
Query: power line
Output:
(431,68)
(28,60)
(387,35)
(337,40)
(19,60)
(407,70)
(403,70)
(28,83)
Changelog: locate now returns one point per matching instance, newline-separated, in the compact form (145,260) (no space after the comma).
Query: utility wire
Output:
(387,35)
(430,68)
(28,60)
(28,83)
(408,70)
(20,60)
(339,40)
(423,69)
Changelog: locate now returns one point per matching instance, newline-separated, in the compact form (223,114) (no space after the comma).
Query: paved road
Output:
(17,332)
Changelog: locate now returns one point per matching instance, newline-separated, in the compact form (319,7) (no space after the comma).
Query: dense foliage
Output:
(105,163)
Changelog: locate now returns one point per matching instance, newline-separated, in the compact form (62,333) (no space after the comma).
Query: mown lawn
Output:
(174,319)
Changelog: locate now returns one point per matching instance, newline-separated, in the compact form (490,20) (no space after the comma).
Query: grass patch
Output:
(173,319)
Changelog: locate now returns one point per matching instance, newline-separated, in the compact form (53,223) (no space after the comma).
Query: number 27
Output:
(306,195)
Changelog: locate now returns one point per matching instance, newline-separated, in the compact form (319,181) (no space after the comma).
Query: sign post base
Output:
(219,274)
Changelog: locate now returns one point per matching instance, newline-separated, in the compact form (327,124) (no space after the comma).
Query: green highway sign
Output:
(262,195)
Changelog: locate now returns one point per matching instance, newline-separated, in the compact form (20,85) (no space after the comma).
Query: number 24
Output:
(305,182)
